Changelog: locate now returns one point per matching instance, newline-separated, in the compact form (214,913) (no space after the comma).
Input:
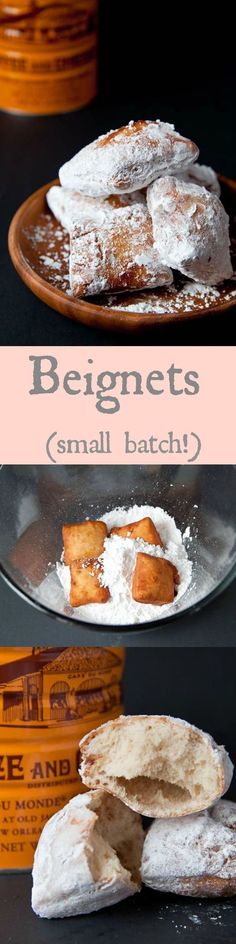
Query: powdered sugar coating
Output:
(225,813)
(118,562)
(67,875)
(71,208)
(193,855)
(202,175)
(191,229)
(120,254)
(128,158)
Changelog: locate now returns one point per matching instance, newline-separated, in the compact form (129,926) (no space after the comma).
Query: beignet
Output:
(128,159)
(190,229)
(118,256)
(144,529)
(71,208)
(85,584)
(83,540)
(154,580)
(193,855)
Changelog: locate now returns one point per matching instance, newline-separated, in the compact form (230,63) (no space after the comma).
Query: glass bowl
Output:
(35,501)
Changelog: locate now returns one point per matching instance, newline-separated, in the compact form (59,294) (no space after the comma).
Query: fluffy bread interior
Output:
(117,841)
(158,765)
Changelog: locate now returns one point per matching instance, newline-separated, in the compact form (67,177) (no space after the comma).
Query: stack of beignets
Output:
(136,205)
(94,852)
(154,579)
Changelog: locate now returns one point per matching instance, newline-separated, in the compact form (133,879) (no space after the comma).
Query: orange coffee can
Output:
(49,698)
(48,55)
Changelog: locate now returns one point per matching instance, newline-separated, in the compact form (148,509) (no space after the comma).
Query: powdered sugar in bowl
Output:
(192,508)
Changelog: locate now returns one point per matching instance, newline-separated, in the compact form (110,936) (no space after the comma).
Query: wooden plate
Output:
(39,249)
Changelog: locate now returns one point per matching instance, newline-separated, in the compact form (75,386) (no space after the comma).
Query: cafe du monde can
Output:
(49,698)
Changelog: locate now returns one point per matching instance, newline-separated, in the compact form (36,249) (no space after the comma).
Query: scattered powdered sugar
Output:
(50,263)
(118,562)
(180,917)
(180,297)
(186,536)
(190,288)
(47,252)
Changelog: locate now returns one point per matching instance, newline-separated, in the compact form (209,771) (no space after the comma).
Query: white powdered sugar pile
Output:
(118,561)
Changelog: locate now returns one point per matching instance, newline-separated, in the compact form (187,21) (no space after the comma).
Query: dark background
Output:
(200,687)
(176,64)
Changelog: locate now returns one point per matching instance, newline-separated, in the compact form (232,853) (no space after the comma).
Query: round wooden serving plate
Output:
(39,249)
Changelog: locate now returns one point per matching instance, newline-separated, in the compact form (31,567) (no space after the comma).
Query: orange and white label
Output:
(49,698)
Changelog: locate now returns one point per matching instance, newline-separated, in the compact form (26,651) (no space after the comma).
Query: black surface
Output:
(151,65)
(147,917)
(200,687)
(22,624)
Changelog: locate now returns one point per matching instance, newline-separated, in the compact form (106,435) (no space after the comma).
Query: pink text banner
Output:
(118,405)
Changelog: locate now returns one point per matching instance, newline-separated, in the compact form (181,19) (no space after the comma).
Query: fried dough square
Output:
(117,255)
(85,583)
(144,529)
(154,580)
(84,540)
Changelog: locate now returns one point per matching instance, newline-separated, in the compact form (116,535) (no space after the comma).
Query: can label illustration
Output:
(49,698)
(48,55)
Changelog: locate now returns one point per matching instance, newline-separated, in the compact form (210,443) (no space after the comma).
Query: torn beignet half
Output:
(71,208)
(190,229)
(154,580)
(83,540)
(119,256)
(128,159)
(157,765)
(88,857)
(85,583)
(193,855)
(143,529)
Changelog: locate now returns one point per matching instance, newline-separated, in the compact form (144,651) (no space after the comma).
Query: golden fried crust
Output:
(85,583)
(206,886)
(127,131)
(117,255)
(153,580)
(84,540)
(144,529)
